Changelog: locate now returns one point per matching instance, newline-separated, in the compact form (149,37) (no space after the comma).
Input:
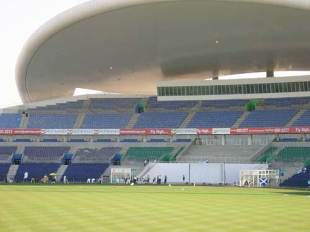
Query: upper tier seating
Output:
(81,172)
(10,120)
(89,155)
(114,103)
(4,168)
(63,106)
(6,152)
(304,119)
(106,120)
(44,154)
(160,120)
(216,119)
(291,154)
(52,121)
(268,118)
(223,103)
(150,153)
(298,180)
(171,105)
(286,101)
(35,170)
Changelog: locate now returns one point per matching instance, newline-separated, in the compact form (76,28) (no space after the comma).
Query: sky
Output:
(18,20)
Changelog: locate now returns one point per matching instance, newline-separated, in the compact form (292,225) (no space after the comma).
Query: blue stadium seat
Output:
(49,154)
(63,106)
(10,120)
(35,170)
(304,119)
(298,180)
(106,120)
(223,103)
(4,168)
(171,105)
(6,153)
(114,103)
(286,101)
(80,172)
(52,121)
(91,155)
(268,118)
(160,119)
(214,119)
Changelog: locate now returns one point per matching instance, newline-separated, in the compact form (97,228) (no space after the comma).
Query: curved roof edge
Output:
(90,9)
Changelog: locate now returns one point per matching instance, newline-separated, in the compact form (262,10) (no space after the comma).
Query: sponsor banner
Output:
(108,131)
(154,131)
(269,130)
(221,131)
(132,131)
(185,131)
(18,131)
(55,131)
(298,130)
(81,131)
(164,131)
(204,131)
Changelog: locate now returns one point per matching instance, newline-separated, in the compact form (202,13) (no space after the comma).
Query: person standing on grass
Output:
(165,179)
(25,176)
(183,178)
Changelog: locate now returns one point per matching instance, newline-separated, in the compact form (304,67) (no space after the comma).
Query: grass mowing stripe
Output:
(152,208)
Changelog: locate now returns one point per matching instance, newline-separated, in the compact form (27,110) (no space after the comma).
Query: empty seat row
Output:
(218,119)
(268,118)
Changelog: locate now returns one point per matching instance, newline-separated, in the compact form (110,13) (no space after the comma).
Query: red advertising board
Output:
(18,131)
(164,131)
(204,131)
(158,131)
(269,130)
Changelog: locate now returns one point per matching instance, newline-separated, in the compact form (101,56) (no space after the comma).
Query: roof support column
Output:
(270,72)
(215,75)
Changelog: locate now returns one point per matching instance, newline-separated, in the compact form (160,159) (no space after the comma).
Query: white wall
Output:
(208,173)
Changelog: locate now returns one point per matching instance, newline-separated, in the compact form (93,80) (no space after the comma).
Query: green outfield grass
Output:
(152,208)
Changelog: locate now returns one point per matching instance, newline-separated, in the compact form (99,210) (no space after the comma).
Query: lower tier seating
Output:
(6,152)
(35,170)
(298,180)
(79,172)
(220,153)
(101,155)
(4,168)
(44,154)
(150,153)
(267,156)
(292,154)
